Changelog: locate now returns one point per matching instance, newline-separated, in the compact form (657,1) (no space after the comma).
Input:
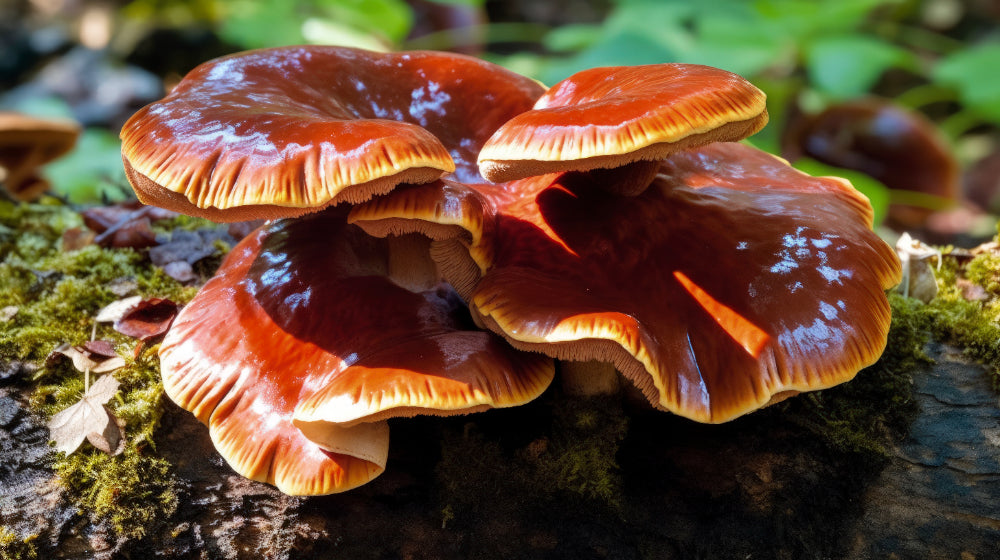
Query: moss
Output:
(14,548)
(133,491)
(580,455)
(972,325)
(181,222)
(985,271)
(565,448)
(57,293)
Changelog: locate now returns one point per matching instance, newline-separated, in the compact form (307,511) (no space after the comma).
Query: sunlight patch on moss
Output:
(14,548)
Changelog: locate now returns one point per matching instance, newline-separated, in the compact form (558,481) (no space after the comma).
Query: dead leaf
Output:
(147,320)
(112,439)
(68,428)
(97,356)
(125,225)
(117,309)
(77,238)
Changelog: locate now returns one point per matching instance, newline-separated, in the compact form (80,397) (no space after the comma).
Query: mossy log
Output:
(902,462)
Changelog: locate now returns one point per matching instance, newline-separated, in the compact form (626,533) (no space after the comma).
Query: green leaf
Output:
(616,50)
(390,19)
(974,73)
(92,171)
(573,37)
(267,23)
(847,66)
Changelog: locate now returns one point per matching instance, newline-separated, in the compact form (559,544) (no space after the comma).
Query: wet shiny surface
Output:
(617,110)
(294,126)
(301,324)
(731,279)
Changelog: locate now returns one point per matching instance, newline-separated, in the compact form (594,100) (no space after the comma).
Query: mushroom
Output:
(732,281)
(900,148)
(313,333)
(26,144)
(301,347)
(283,132)
(724,281)
(630,116)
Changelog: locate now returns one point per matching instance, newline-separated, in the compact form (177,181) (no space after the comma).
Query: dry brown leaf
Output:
(112,439)
(69,427)
(147,320)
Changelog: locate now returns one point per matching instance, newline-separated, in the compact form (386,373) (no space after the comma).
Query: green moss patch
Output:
(51,297)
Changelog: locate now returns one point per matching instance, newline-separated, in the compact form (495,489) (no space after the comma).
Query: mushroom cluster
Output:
(441,228)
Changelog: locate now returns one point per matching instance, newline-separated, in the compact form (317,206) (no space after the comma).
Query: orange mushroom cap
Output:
(301,346)
(610,117)
(287,131)
(731,281)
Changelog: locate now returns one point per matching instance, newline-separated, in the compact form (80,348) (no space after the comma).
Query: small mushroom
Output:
(617,116)
(284,132)
(732,281)
(26,144)
(900,148)
(301,346)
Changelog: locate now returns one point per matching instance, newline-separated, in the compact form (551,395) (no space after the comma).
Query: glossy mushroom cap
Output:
(899,148)
(301,346)
(730,282)
(610,117)
(27,143)
(284,132)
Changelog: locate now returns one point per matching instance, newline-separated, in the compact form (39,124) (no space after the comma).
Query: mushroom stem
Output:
(410,264)
(588,379)
(628,180)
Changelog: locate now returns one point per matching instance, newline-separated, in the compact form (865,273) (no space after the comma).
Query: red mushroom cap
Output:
(283,132)
(301,345)
(731,281)
(609,117)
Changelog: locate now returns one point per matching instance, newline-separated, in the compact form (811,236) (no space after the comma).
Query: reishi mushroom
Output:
(302,345)
(732,280)
(278,133)
(714,276)
(607,118)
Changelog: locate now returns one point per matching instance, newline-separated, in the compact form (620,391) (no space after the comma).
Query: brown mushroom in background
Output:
(460,26)
(302,345)
(284,132)
(624,116)
(900,148)
(731,281)
(26,144)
